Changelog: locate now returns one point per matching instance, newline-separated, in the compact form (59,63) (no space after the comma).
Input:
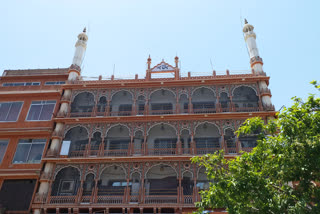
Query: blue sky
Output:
(42,34)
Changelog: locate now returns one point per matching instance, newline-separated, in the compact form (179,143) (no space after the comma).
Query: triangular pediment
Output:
(163,67)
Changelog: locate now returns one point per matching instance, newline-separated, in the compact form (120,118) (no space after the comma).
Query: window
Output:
(165,143)
(20,84)
(119,144)
(41,110)
(55,83)
(3,148)
(210,142)
(29,151)
(10,111)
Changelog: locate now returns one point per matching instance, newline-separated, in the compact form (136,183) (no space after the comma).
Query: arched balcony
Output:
(121,104)
(88,188)
(66,184)
(183,104)
(187,185)
(135,187)
(162,101)
(112,185)
(207,138)
(78,138)
(203,101)
(162,140)
(202,182)
(82,105)
(161,185)
(245,99)
(117,141)
(230,141)
(185,140)
(102,106)
(225,103)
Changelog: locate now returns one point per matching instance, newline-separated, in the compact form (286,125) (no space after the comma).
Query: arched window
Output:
(162,102)
(135,183)
(207,138)
(140,105)
(138,143)
(117,141)
(185,142)
(230,140)
(78,137)
(66,182)
(203,101)
(162,140)
(88,185)
(245,99)
(95,144)
(161,180)
(102,105)
(121,104)
(112,182)
(224,102)
(184,103)
(82,105)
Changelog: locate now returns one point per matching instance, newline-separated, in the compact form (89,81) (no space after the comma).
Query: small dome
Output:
(83,36)
(247,27)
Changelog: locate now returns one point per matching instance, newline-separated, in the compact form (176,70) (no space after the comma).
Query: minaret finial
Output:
(245,21)
(84,29)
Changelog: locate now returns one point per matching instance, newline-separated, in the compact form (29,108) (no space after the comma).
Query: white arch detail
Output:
(76,167)
(114,93)
(195,128)
(249,86)
(228,127)
(81,92)
(75,126)
(137,173)
(163,124)
(118,124)
(145,175)
(213,91)
(188,172)
(166,89)
(118,165)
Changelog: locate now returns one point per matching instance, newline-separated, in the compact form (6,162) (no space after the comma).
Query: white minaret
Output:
(250,38)
(256,63)
(81,46)
(74,73)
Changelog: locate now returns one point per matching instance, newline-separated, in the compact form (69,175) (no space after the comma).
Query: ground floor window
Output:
(16,195)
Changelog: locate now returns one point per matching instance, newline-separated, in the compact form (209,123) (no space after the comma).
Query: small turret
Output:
(81,46)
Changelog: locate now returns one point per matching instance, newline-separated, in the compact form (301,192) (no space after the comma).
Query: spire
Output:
(245,21)
(84,30)
(149,62)
(81,46)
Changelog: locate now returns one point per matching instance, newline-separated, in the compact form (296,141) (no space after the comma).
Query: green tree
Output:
(281,175)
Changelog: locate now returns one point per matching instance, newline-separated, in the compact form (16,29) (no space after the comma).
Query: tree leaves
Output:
(281,175)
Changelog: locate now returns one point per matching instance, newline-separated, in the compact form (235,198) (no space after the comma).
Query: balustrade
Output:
(98,151)
(204,110)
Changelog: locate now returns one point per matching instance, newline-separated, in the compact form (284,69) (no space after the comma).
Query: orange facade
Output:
(122,146)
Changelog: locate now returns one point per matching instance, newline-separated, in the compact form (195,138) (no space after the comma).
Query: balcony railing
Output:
(211,109)
(99,151)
